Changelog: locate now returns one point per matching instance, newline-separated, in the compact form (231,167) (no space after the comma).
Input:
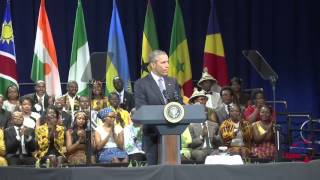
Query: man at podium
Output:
(155,89)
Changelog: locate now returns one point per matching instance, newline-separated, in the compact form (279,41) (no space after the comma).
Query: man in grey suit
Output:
(155,89)
(222,112)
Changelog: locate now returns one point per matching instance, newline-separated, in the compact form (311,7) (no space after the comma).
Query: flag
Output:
(80,67)
(45,64)
(179,60)
(214,58)
(117,63)
(149,39)
(8,67)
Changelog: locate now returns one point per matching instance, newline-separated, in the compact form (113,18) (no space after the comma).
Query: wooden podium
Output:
(169,144)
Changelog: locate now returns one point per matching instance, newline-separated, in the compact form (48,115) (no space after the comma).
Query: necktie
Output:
(228,107)
(161,87)
(20,146)
(40,102)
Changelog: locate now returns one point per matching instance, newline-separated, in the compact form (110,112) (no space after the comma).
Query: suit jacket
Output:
(34,98)
(147,92)
(128,101)
(4,118)
(196,134)
(221,114)
(12,144)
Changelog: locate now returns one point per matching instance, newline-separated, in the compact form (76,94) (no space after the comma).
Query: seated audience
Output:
(109,140)
(3,161)
(186,140)
(240,97)
(20,142)
(71,98)
(203,135)
(252,112)
(30,118)
(123,116)
(12,95)
(98,101)
(4,115)
(236,133)
(50,136)
(65,119)
(39,99)
(126,99)
(76,139)
(207,83)
(263,135)
(222,112)
(133,143)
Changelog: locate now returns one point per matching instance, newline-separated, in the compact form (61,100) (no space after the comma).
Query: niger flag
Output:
(179,60)
(214,58)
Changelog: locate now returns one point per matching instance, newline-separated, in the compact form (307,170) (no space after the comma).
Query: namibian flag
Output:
(8,64)
(214,58)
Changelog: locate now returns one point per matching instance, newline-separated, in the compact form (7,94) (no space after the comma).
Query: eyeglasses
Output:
(112,117)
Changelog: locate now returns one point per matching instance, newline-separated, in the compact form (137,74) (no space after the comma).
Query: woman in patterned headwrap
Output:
(109,140)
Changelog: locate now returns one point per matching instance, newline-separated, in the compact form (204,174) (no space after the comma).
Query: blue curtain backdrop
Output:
(286,32)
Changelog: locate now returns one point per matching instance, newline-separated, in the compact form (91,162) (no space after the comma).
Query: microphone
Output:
(175,96)
(166,95)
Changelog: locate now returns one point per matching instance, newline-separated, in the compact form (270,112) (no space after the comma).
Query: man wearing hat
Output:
(204,138)
(154,89)
(208,84)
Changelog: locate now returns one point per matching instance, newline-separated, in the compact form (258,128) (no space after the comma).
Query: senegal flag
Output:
(149,39)
(179,60)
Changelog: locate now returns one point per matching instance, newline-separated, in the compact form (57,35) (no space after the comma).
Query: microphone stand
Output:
(277,127)
(89,131)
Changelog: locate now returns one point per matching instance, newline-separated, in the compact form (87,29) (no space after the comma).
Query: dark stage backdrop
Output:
(286,32)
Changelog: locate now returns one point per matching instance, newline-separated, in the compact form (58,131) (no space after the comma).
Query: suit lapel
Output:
(155,88)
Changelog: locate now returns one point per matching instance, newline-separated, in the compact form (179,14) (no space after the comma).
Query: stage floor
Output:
(268,171)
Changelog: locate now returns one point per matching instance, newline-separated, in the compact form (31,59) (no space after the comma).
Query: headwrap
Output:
(104,112)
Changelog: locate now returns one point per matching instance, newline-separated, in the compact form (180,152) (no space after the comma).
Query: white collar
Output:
(156,77)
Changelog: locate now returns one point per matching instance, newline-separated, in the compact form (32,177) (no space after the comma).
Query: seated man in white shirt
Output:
(20,142)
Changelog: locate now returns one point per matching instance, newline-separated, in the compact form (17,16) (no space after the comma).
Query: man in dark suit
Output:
(39,97)
(126,98)
(150,91)
(20,142)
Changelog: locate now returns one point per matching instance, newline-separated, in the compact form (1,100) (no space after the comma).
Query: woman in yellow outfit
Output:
(50,136)
(3,161)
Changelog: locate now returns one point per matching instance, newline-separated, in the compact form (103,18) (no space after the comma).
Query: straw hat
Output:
(196,94)
(206,76)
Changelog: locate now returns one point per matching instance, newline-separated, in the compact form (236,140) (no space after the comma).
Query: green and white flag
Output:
(45,63)
(80,67)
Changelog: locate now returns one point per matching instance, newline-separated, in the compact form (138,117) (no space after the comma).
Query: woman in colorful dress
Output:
(109,140)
